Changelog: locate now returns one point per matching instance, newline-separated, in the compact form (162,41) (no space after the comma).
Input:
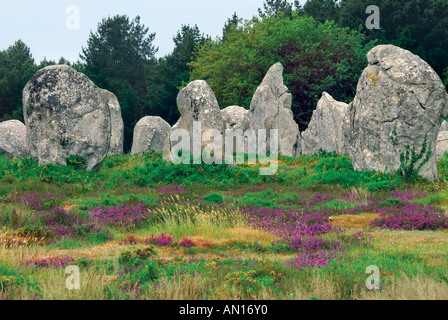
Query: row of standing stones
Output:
(400,101)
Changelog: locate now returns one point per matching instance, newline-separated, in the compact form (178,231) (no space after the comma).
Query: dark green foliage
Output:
(390,202)
(214,197)
(76,162)
(16,68)
(231,24)
(322,10)
(445,74)
(411,162)
(276,8)
(417,25)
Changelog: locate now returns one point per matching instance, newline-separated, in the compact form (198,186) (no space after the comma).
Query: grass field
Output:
(141,228)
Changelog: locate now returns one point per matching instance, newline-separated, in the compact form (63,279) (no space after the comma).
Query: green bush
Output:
(214,197)
(75,162)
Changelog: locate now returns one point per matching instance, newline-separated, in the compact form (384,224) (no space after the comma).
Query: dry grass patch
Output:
(416,288)
(350,221)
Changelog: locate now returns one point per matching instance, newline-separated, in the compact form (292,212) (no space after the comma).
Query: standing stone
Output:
(150,133)
(13,141)
(66,114)
(271,109)
(325,128)
(168,145)
(442,144)
(117,130)
(235,117)
(442,140)
(400,100)
(197,102)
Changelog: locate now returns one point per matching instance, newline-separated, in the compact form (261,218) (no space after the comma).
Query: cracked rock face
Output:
(117,125)
(66,114)
(325,128)
(271,109)
(150,133)
(400,100)
(13,141)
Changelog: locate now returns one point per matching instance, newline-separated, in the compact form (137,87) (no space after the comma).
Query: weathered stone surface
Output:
(13,141)
(150,133)
(235,117)
(117,125)
(444,126)
(442,144)
(400,100)
(442,140)
(271,109)
(168,145)
(197,102)
(325,128)
(66,114)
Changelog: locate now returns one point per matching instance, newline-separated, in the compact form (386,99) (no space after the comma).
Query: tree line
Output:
(322,46)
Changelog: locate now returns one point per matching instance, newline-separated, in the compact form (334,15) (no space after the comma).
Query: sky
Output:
(55,28)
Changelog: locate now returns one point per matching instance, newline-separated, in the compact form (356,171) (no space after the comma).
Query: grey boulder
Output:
(325,128)
(117,130)
(150,134)
(235,117)
(13,140)
(66,114)
(270,108)
(399,102)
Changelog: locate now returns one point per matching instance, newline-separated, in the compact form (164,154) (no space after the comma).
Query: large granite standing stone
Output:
(325,128)
(271,109)
(150,133)
(13,140)
(400,101)
(66,114)
(197,102)
(117,125)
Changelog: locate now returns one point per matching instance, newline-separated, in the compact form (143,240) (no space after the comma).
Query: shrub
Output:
(162,240)
(409,158)
(121,216)
(214,197)
(186,243)
(76,162)
(412,216)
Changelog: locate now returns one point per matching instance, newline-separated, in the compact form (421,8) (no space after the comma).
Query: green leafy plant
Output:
(214,197)
(75,162)
(409,166)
